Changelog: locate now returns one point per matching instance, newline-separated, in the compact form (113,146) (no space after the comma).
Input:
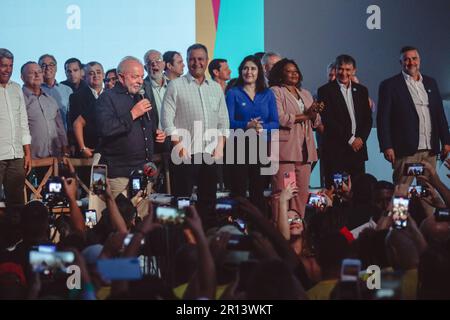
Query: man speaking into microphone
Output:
(126,125)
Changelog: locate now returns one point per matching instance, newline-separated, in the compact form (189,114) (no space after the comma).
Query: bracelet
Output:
(82,149)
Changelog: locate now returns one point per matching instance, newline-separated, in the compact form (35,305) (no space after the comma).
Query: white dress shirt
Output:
(188,105)
(14,130)
(420,98)
(348,97)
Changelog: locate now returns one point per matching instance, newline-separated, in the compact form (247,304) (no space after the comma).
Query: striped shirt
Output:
(196,109)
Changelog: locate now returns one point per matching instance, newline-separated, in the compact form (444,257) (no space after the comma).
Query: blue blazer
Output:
(398,121)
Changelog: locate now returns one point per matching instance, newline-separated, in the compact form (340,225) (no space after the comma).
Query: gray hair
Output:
(5,53)
(126,59)
(268,55)
(91,64)
(46,56)
(148,53)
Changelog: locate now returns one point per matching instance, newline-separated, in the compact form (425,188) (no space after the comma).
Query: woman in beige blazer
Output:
(297,116)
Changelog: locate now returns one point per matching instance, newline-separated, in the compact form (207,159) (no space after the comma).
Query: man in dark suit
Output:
(347,120)
(411,120)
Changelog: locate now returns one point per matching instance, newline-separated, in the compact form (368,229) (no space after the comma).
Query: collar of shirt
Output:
(343,86)
(411,79)
(120,88)
(45,85)
(190,78)
(27,92)
(155,85)
(7,84)
(94,92)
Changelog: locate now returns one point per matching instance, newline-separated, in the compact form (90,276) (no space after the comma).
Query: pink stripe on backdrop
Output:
(216,8)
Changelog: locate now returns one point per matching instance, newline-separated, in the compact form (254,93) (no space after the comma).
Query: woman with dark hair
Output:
(251,107)
(297,113)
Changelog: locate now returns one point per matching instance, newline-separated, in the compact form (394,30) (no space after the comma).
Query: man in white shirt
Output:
(195,115)
(411,122)
(15,138)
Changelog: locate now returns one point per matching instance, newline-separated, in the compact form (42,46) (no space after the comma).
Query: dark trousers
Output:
(185,176)
(12,176)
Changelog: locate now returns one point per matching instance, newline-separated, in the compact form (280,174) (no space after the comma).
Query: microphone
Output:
(141,96)
(150,170)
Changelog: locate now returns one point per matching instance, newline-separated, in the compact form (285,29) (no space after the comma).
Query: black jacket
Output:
(125,145)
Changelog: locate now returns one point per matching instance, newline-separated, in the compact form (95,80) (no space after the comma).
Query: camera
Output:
(98,179)
(169,215)
(138,182)
(442,215)
(400,212)
(53,194)
(414,169)
(417,192)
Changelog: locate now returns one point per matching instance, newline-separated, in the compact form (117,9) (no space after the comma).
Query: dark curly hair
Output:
(260,83)
(276,74)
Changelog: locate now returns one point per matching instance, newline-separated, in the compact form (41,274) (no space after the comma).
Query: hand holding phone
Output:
(289,178)
(400,212)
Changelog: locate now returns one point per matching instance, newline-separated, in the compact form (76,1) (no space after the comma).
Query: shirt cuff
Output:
(350,142)
(26,139)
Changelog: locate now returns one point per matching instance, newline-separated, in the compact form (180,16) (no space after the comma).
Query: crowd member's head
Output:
(410,61)
(127,210)
(345,69)
(219,70)
(230,84)
(363,188)
(49,68)
(370,248)
(73,68)
(296,224)
(174,64)
(34,222)
(197,56)
(6,66)
(131,74)
(154,64)
(111,78)
(435,231)
(185,263)
(285,72)
(251,72)
(268,61)
(94,75)
(401,250)
(332,248)
(433,273)
(31,74)
(12,281)
(273,280)
(259,55)
(384,191)
(331,72)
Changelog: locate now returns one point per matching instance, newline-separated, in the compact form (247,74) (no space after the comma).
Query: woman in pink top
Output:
(297,116)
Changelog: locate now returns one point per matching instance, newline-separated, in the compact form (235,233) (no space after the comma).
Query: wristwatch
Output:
(82,149)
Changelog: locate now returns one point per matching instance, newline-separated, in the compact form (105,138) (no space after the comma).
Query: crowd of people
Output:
(291,244)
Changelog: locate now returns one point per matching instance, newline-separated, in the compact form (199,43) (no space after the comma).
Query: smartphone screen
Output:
(316,200)
(289,178)
(98,178)
(442,215)
(350,269)
(414,169)
(136,183)
(90,218)
(169,215)
(49,263)
(55,187)
(120,268)
(400,212)
(183,203)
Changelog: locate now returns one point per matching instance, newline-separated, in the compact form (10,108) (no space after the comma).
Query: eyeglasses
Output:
(110,79)
(50,65)
(159,60)
(295,220)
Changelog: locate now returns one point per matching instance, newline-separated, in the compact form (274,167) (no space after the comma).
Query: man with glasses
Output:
(15,153)
(60,92)
(110,79)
